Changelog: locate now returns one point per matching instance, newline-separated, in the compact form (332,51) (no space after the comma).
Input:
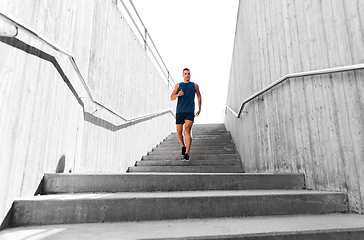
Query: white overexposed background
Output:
(199,35)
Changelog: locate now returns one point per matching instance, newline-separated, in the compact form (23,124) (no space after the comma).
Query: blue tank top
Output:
(186,103)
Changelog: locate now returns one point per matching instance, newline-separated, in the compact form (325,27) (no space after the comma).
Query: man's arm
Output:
(174,94)
(199,99)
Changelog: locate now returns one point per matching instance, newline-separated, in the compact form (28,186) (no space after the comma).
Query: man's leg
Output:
(179,134)
(188,128)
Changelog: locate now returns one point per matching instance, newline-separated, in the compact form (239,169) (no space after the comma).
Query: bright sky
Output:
(199,35)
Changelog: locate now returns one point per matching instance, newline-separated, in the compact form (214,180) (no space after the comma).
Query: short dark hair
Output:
(186,69)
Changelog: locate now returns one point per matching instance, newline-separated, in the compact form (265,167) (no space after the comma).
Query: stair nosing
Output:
(176,194)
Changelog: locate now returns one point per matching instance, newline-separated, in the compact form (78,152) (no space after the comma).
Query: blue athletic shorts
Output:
(181,117)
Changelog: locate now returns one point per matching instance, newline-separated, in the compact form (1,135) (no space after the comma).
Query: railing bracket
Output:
(7,29)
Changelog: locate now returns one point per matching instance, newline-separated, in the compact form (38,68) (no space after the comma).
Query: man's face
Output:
(186,75)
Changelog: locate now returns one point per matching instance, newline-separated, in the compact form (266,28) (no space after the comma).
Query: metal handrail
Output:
(145,39)
(17,23)
(295,75)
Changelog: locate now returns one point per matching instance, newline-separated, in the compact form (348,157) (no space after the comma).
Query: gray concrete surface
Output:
(312,124)
(196,169)
(152,182)
(329,226)
(194,151)
(177,147)
(196,142)
(142,206)
(216,143)
(198,156)
(193,162)
(46,116)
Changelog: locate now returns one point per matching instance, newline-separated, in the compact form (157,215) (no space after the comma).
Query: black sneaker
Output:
(186,157)
(183,150)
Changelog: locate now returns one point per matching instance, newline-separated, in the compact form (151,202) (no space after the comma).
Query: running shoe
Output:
(183,150)
(186,157)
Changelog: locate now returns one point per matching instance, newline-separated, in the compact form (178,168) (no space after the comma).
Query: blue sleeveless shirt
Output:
(186,103)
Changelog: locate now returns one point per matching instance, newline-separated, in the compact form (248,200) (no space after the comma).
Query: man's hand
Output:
(198,98)
(175,94)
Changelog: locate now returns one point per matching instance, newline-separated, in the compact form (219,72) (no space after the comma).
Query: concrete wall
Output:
(125,80)
(312,125)
(49,125)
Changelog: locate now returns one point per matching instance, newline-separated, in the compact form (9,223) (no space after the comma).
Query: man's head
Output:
(186,74)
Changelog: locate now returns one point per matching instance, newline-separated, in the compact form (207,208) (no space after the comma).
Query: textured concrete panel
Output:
(47,122)
(312,125)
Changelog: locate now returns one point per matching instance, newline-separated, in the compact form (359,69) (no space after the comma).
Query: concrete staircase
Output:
(209,197)
(212,151)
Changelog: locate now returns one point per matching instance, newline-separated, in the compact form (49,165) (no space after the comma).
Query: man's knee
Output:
(179,128)
(188,130)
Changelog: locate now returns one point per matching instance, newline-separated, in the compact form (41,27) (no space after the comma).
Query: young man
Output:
(185,114)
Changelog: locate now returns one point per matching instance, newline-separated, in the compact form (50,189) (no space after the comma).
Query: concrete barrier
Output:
(313,125)
(47,123)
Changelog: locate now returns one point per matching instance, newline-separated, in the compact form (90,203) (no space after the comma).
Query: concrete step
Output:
(299,227)
(222,157)
(197,133)
(189,163)
(210,132)
(198,142)
(188,169)
(196,148)
(207,127)
(194,151)
(206,137)
(160,182)
(201,139)
(131,206)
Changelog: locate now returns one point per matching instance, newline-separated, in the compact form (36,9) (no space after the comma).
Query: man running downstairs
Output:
(185,113)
